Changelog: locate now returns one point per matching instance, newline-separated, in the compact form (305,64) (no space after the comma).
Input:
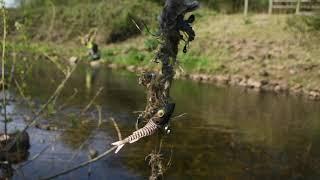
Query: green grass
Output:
(199,64)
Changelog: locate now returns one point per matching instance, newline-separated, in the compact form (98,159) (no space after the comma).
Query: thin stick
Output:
(12,68)
(179,116)
(82,164)
(79,148)
(92,160)
(75,92)
(91,102)
(23,96)
(54,61)
(33,158)
(117,128)
(4,37)
(100,115)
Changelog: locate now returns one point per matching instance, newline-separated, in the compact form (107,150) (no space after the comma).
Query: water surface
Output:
(228,133)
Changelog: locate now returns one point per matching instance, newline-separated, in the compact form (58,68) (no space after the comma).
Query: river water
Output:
(227,133)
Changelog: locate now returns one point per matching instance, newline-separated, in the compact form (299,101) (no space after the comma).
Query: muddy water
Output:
(227,133)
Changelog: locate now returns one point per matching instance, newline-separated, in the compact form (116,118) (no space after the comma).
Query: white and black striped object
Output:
(147,130)
(159,120)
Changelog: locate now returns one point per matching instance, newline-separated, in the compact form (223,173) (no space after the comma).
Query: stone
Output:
(277,88)
(297,89)
(263,73)
(93,153)
(264,81)
(113,66)
(73,60)
(292,72)
(196,77)
(140,69)
(95,64)
(222,79)
(205,77)
(4,137)
(235,80)
(314,95)
(131,68)
(253,84)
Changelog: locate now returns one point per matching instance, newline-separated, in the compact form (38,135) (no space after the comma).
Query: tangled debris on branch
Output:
(173,28)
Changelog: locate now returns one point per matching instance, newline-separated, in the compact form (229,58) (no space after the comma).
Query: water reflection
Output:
(226,134)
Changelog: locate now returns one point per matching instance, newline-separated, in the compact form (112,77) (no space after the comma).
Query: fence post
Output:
(246,3)
(298,7)
(270,6)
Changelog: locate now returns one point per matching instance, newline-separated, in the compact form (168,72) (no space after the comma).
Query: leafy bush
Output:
(313,22)
(304,23)
(61,20)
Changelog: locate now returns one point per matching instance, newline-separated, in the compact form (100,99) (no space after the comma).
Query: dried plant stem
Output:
(4,37)
(54,61)
(117,128)
(75,92)
(92,101)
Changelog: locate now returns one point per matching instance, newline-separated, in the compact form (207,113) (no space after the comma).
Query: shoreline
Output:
(249,83)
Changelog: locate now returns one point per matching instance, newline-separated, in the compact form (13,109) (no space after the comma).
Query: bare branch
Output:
(91,102)
(33,158)
(34,120)
(117,128)
(84,164)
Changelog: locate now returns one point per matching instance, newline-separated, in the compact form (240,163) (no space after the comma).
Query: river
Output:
(226,133)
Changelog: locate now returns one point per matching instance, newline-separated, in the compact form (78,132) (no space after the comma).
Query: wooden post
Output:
(270,6)
(246,3)
(298,7)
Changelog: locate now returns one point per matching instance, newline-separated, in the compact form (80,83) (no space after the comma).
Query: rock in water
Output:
(93,153)
(19,150)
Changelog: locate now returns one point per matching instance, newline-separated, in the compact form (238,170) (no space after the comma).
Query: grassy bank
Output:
(260,48)
(278,50)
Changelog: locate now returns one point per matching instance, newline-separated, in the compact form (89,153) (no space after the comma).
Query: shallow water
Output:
(228,133)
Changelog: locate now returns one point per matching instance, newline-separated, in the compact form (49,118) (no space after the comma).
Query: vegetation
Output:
(279,46)
(279,52)
(61,21)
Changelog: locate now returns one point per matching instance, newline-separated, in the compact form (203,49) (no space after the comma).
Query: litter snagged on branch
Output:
(160,107)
